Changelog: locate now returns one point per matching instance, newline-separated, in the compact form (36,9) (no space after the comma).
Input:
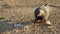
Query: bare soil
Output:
(22,12)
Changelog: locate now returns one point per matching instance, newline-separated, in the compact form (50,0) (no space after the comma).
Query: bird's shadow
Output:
(5,26)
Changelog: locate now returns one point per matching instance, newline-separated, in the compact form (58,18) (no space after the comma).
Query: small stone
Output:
(48,22)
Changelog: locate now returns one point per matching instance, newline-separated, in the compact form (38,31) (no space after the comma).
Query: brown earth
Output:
(22,12)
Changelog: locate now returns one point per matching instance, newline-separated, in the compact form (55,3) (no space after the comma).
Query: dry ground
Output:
(22,12)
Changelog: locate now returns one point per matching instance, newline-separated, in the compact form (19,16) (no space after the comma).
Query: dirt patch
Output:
(22,12)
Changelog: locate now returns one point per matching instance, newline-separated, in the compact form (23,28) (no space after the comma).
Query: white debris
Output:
(18,25)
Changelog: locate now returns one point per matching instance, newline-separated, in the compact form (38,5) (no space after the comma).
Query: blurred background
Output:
(16,17)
